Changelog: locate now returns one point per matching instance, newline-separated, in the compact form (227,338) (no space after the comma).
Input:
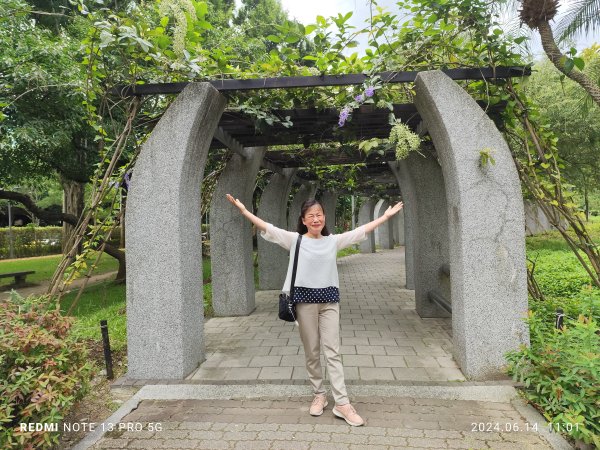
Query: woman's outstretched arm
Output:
(386,215)
(261,225)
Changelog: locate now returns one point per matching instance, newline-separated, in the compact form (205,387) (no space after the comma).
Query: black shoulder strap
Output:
(295,267)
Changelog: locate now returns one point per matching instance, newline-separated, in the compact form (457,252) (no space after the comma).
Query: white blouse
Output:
(317,268)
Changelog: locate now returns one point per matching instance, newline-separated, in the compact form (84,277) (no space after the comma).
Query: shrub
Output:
(43,370)
(560,370)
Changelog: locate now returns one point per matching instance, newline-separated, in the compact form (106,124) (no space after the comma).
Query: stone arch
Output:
(231,236)
(484,221)
(485,227)
(424,188)
(385,237)
(272,259)
(164,251)
(365,215)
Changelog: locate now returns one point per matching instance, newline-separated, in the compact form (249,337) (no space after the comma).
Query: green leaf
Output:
(579,63)
(309,29)
(274,38)
(569,64)
(201,9)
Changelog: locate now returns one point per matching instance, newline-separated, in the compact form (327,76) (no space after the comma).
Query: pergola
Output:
(459,217)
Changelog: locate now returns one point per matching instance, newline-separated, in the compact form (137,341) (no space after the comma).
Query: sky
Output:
(305,11)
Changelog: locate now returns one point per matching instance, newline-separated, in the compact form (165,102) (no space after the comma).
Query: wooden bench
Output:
(19,276)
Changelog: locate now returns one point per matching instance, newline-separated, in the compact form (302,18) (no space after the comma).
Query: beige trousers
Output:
(320,325)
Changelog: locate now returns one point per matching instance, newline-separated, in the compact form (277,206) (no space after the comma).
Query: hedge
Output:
(31,241)
(36,241)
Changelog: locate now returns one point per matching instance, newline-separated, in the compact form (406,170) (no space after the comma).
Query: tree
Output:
(43,128)
(583,15)
(576,124)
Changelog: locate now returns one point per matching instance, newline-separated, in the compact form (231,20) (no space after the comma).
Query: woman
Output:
(316,294)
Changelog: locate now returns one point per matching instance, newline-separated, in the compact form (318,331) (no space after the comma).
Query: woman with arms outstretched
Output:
(316,295)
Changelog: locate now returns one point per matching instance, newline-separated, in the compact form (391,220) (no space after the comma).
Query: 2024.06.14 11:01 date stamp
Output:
(509,427)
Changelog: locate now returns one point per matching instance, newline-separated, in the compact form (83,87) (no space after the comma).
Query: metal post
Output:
(106,345)
(559,319)
(11,246)
(353,215)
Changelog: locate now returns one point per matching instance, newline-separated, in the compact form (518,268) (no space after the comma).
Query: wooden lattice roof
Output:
(237,130)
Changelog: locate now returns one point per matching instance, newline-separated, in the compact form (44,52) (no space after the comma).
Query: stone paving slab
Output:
(382,336)
(392,423)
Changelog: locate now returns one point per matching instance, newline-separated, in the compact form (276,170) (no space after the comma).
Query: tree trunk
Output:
(122,223)
(119,256)
(558,59)
(73,197)
(587,203)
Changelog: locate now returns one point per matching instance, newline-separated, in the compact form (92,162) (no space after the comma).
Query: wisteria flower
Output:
(370,91)
(359,98)
(344,113)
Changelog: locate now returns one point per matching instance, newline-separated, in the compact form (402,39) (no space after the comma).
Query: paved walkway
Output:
(382,337)
(252,393)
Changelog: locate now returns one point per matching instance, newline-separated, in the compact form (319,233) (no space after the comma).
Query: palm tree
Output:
(582,16)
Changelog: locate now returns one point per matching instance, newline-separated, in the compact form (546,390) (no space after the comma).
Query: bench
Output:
(19,276)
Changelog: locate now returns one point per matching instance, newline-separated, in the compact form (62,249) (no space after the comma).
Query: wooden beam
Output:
(229,85)
(265,164)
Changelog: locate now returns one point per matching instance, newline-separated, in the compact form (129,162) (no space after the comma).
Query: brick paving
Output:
(382,337)
(251,391)
(392,423)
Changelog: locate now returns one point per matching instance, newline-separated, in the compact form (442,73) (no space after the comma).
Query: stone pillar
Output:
(486,223)
(365,215)
(430,231)
(376,214)
(409,210)
(386,232)
(329,201)
(272,259)
(163,234)
(399,226)
(231,236)
(306,191)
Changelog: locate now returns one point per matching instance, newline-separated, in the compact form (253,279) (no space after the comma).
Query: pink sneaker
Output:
(318,405)
(348,413)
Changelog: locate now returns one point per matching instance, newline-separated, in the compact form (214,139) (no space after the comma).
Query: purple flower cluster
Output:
(344,113)
(127,180)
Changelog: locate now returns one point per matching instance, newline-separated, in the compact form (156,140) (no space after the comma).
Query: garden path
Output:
(251,391)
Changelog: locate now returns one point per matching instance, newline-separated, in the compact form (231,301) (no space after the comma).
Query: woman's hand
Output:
(393,209)
(236,202)
(259,223)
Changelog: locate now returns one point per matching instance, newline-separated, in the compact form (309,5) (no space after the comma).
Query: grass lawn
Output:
(106,301)
(45,266)
(557,269)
